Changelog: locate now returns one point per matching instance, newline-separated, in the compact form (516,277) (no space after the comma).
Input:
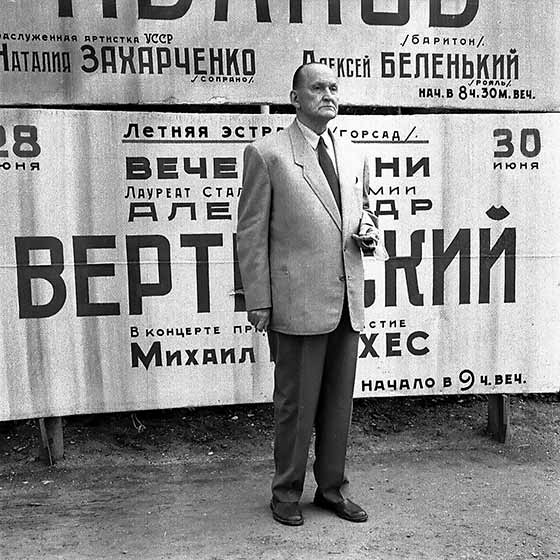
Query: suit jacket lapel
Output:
(305,157)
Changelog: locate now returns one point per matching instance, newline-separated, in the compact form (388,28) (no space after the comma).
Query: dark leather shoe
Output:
(346,509)
(288,513)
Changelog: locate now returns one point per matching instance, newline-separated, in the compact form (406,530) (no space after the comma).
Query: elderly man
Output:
(303,219)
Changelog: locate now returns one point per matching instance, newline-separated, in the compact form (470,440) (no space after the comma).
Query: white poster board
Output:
(422,53)
(120,290)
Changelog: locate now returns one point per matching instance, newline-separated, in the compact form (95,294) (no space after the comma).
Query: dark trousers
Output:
(313,385)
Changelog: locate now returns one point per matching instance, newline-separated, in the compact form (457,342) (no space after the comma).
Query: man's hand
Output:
(368,241)
(259,318)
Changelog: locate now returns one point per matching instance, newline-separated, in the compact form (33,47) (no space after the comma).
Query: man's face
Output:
(316,97)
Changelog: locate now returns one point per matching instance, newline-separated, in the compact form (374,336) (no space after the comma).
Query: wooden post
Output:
(498,417)
(51,448)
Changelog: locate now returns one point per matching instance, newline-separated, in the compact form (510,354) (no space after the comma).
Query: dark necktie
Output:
(328,169)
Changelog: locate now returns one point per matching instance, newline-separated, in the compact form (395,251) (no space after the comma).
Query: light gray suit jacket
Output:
(296,251)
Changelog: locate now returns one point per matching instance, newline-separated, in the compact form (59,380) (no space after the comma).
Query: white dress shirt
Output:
(313,138)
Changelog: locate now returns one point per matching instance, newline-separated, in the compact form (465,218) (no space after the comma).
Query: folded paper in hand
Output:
(368,228)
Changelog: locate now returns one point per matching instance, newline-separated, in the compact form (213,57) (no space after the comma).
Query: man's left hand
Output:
(368,241)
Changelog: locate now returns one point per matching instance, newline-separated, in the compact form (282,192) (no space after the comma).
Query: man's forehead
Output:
(318,73)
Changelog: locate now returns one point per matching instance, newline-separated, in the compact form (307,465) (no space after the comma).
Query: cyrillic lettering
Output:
(380,166)
(372,17)
(154,353)
(224,168)
(137,168)
(26,272)
(460,244)
(420,205)
(409,264)
(138,290)
(227,355)
(200,170)
(175,11)
(175,207)
(145,60)
(437,19)
(202,242)
(83,271)
(142,210)
(108,60)
(388,66)
(410,343)
(393,344)
(412,168)
(89,56)
(218,211)
(506,244)
(247,352)
(173,357)
(368,345)
(133,131)
(209,356)
(379,211)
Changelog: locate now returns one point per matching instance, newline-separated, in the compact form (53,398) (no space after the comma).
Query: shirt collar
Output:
(312,137)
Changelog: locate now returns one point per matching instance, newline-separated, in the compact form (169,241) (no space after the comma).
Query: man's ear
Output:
(294,99)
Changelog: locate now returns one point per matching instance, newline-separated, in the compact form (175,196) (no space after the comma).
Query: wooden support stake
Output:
(498,417)
(52,440)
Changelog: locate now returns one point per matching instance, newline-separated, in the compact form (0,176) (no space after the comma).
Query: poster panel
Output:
(118,275)
(422,53)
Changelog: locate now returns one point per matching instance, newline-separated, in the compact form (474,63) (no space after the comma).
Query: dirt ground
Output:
(195,484)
